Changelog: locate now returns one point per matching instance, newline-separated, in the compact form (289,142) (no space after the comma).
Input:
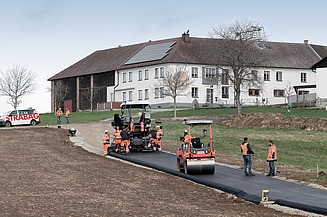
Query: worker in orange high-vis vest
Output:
(67,113)
(117,137)
(59,113)
(132,125)
(153,139)
(271,158)
(159,137)
(142,126)
(125,137)
(106,141)
(246,153)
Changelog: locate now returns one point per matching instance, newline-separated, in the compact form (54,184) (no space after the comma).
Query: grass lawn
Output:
(232,111)
(79,117)
(294,147)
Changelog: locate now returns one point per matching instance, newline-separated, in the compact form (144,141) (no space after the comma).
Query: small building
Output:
(128,73)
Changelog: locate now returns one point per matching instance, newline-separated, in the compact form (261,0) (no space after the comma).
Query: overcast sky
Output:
(48,36)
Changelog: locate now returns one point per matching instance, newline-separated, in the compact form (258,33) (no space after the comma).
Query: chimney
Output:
(186,37)
(306,41)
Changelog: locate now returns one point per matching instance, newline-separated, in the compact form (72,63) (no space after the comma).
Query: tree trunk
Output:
(175,107)
(238,100)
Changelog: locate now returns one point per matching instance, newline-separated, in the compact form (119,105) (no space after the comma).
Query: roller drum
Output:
(200,166)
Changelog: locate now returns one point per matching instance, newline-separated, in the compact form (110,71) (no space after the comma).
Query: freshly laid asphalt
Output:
(234,181)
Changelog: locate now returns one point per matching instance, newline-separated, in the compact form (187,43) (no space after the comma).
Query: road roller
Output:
(193,156)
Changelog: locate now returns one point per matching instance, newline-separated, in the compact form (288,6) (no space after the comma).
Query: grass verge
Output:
(232,111)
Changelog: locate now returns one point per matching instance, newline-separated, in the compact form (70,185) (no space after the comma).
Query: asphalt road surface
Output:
(234,181)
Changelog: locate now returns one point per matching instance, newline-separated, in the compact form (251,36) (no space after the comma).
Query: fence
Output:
(108,105)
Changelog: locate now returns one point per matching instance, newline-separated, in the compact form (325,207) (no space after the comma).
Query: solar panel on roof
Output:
(151,52)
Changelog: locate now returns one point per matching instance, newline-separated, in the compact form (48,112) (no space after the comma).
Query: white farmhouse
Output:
(129,73)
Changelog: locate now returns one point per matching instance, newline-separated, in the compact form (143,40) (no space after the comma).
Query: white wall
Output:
(322,83)
(291,76)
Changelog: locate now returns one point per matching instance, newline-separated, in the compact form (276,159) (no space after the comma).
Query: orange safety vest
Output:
(67,113)
(132,126)
(272,153)
(59,113)
(187,139)
(159,133)
(142,126)
(105,138)
(244,147)
(117,134)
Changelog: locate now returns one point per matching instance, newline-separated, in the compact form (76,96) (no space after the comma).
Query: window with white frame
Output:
(130,95)
(266,75)
(146,94)
(303,77)
(112,98)
(124,77)
(140,95)
(224,77)
(130,76)
(156,92)
(225,92)
(162,92)
(279,76)
(254,75)
(162,72)
(195,92)
(146,74)
(124,96)
(279,93)
(195,73)
(156,73)
(254,92)
(140,75)
(210,72)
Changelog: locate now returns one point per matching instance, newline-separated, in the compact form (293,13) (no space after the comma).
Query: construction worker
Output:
(59,113)
(159,137)
(117,137)
(142,126)
(132,125)
(67,113)
(247,152)
(153,138)
(125,137)
(106,141)
(187,138)
(271,158)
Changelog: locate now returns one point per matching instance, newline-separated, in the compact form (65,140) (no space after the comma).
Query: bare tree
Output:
(240,47)
(90,94)
(16,83)
(59,91)
(289,91)
(174,83)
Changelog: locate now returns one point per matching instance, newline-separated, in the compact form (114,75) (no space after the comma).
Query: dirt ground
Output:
(44,174)
(267,120)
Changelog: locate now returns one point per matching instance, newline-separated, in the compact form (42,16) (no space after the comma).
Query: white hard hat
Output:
(106,131)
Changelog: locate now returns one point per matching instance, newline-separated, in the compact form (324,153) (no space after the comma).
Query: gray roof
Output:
(281,55)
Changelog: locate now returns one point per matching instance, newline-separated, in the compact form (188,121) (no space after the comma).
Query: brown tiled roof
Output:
(99,61)
(291,55)
(281,55)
